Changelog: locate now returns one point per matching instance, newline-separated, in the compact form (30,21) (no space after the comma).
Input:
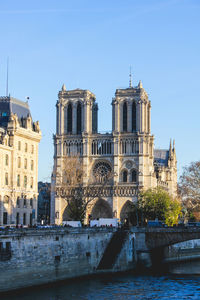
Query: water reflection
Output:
(117,287)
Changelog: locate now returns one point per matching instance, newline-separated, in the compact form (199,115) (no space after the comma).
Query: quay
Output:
(34,256)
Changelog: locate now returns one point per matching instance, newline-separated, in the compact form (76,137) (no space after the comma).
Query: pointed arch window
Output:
(133,116)
(18,180)
(65,119)
(69,118)
(6,178)
(124,117)
(79,118)
(6,160)
(134,176)
(125,176)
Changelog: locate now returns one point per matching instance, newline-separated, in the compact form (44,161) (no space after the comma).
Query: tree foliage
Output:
(189,186)
(157,203)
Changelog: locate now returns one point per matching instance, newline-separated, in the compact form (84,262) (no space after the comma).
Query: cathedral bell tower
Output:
(76,112)
(131,111)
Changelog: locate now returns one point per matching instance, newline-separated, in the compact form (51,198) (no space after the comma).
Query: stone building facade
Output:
(19,139)
(128,151)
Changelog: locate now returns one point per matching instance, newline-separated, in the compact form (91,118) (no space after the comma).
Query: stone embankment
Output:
(38,256)
(31,257)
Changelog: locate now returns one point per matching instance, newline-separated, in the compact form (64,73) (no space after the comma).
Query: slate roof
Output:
(10,105)
(161,156)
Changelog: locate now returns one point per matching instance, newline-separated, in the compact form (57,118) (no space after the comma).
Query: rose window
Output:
(102,171)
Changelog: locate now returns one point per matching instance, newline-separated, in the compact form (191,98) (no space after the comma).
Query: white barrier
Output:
(72,223)
(104,222)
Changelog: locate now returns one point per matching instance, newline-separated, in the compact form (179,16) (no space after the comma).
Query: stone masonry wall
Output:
(36,256)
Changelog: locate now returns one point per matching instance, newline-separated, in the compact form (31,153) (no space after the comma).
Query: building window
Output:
(32,149)
(79,118)
(24,219)
(17,218)
(69,118)
(18,202)
(25,163)
(134,176)
(26,147)
(134,117)
(6,200)
(125,176)
(31,185)
(19,162)
(18,180)
(65,119)
(125,117)
(6,160)
(6,178)
(32,165)
(25,201)
(31,202)
(19,145)
(31,218)
(25,181)
(5,218)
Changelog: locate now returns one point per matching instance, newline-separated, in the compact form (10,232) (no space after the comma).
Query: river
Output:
(116,287)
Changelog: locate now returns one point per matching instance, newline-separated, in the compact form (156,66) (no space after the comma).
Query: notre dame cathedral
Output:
(128,151)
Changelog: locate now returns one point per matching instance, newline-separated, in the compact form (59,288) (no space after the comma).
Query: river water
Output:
(116,287)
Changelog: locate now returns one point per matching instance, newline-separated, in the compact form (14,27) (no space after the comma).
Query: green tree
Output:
(157,203)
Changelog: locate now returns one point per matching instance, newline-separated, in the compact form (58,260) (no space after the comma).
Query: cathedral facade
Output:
(127,152)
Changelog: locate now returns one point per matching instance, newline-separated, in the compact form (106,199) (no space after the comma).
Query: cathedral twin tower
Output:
(77,112)
(128,152)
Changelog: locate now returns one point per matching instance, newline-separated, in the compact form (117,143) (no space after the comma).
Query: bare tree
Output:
(189,186)
(78,194)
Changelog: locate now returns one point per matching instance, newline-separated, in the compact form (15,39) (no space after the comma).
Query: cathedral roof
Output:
(10,105)
(161,156)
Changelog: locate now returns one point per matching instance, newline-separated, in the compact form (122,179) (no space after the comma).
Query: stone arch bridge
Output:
(148,239)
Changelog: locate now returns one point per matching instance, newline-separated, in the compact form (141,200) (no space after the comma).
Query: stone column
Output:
(86,117)
(145,117)
(74,118)
(142,116)
(149,118)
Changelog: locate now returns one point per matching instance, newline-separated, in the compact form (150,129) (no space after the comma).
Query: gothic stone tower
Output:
(128,151)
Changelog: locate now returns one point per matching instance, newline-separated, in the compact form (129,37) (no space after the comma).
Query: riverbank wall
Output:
(31,257)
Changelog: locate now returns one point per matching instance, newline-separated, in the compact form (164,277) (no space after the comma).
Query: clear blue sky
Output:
(91,44)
